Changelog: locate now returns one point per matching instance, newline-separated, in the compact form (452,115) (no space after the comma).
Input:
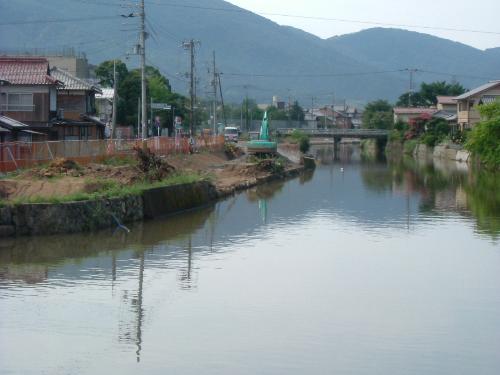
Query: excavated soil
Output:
(64,177)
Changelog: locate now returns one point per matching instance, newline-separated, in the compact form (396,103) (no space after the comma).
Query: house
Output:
(326,117)
(406,114)
(468,103)
(447,103)
(28,96)
(76,108)
(104,104)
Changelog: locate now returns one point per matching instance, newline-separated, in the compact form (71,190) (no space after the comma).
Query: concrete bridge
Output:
(338,134)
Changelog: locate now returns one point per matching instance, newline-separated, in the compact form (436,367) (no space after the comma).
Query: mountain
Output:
(256,55)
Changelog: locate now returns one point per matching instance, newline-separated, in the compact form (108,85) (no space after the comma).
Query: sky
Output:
(456,14)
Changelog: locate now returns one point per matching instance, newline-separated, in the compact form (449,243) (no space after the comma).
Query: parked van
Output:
(231,134)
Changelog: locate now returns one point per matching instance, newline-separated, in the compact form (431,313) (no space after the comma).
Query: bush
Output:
(430,139)
(410,146)
(304,145)
(302,139)
(484,140)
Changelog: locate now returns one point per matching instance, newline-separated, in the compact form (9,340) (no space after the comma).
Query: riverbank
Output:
(80,199)
(445,151)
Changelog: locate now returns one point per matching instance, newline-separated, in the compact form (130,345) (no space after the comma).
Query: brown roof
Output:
(414,111)
(450,100)
(26,71)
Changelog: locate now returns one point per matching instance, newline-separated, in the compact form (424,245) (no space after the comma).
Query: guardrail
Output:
(364,133)
(16,155)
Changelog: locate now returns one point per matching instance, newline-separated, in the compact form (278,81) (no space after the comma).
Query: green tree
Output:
(296,112)
(277,114)
(430,91)
(484,139)
(417,100)
(427,96)
(378,115)
(104,72)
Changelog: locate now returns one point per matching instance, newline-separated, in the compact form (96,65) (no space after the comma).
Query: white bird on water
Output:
(342,170)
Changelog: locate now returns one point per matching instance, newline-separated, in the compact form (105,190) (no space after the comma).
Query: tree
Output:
(430,91)
(417,100)
(277,114)
(484,139)
(378,115)
(296,112)
(104,72)
(427,96)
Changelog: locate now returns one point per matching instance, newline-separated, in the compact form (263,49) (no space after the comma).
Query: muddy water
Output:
(379,269)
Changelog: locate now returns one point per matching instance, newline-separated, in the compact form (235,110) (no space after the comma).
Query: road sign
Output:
(161,106)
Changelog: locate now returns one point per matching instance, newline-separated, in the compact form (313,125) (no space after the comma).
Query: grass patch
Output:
(117,161)
(107,189)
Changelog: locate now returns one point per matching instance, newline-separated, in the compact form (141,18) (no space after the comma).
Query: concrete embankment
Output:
(84,216)
(423,152)
(443,151)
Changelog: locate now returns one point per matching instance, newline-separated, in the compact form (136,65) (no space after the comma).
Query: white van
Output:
(231,134)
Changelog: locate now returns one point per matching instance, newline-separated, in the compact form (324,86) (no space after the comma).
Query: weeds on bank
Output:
(107,189)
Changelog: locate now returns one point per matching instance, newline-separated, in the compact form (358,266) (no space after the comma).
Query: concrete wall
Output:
(74,217)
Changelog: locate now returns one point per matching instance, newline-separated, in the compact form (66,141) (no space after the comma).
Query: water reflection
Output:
(252,261)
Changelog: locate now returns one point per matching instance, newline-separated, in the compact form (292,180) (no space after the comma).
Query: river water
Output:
(382,268)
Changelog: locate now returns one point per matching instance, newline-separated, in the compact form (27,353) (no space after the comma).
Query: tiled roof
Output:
(446,100)
(71,82)
(414,111)
(107,93)
(478,90)
(25,71)
(449,116)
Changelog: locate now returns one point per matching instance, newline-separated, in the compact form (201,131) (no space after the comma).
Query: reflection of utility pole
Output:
(140,310)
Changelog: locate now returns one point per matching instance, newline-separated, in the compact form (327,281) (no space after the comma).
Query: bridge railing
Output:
(365,133)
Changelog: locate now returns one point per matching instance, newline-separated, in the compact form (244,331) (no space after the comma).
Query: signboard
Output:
(161,106)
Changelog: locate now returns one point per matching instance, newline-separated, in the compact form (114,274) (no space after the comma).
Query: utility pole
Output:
(214,85)
(410,93)
(190,45)
(115,103)
(142,46)
(222,101)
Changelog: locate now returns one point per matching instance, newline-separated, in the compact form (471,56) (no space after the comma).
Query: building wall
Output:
(79,67)
(447,107)
(72,106)
(39,113)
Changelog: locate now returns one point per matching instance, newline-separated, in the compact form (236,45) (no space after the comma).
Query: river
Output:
(362,267)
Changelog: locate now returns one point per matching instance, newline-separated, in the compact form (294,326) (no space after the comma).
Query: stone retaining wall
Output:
(84,216)
(442,152)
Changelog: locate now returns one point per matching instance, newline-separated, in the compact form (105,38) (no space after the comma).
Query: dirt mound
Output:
(61,166)
(154,167)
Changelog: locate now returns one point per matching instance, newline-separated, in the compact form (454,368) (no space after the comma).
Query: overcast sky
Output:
(457,14)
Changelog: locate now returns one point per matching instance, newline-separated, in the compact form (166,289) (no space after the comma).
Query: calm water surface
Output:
(380,269)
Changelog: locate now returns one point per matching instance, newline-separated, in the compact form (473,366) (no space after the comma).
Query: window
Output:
(17,102)
(84,133)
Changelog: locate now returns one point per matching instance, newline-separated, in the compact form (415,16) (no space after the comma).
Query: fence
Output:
(18,155)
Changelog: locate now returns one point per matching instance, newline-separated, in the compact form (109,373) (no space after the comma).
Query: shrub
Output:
(304,145)
(484,140)
(410,146)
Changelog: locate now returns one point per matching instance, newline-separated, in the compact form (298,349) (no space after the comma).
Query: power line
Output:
(59,20)
(311,75)
(345,20)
